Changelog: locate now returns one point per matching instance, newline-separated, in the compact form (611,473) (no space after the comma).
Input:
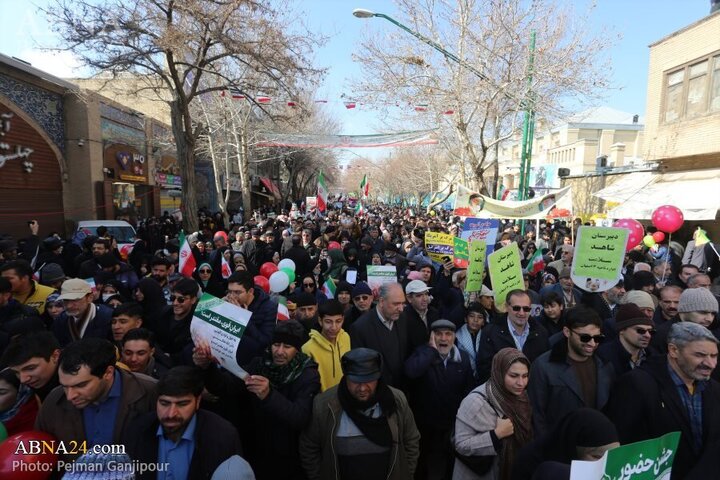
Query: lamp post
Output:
(529,119)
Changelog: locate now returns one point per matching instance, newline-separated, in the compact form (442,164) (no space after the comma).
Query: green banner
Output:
(599,254)
(646,460)
(476,266)
(461,255)
(505,272)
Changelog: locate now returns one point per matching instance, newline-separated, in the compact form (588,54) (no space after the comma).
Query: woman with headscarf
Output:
(18,404)
(583,434)
(309,284)
(494,420)
(208,281)
(338,265)
(150,295)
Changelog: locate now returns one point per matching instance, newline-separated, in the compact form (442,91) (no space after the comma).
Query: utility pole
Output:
(528,132)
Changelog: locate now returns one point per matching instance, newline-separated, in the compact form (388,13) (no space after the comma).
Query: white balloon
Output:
(286,263)
(279,281)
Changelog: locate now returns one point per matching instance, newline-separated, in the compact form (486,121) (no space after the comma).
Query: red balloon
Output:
(658,237)
(334,246)
(637,232)
(267,269)
(263,283)
(668,218)
(31,466)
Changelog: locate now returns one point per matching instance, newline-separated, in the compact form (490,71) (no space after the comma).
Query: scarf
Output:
(517,408)
(377,430)
(280,375)
(23,395)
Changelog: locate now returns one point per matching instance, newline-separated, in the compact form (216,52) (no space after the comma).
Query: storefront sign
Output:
(231,182)
(8,152)
(166,180)
(132,178)
(131,161)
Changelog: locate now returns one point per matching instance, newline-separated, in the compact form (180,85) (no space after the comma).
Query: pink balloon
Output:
(637,232)
(334,246)
(668,218)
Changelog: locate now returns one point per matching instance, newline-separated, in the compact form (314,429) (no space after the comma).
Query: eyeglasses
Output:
(517,308)
(586,337)
(205,270)
(178,298)
(643,331)
(308,284)
(362,297)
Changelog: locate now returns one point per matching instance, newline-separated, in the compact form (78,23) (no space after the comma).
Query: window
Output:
(693,90)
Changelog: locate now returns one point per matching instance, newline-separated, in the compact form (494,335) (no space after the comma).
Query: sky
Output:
(640,22)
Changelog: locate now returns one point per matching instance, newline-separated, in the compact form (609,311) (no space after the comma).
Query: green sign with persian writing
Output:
(599,253)
(505,272)
(476,265)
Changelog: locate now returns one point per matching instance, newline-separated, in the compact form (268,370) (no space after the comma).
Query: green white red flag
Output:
(365,186)
(359,208)
(328,289)
(536,263)
(322,194)
(187,259)
(226,270)
(283,313)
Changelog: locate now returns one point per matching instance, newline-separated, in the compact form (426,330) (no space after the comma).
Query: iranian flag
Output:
(283,313)
(187,259)
(365,187)
(322,193)
(536,263)
(226,270)
(359,209)
(328,289)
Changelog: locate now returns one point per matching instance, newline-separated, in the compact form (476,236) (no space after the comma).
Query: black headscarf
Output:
(584,427)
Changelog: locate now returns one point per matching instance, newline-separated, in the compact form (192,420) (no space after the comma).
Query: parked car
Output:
(121,231)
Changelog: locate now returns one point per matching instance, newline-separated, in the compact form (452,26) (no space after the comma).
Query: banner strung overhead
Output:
(473,204)
(402,139)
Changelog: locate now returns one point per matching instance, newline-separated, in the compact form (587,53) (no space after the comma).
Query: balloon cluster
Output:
(16,464)
(276,278)
(666,218)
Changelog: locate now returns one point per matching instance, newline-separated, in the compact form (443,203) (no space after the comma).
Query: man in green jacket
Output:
(360,428)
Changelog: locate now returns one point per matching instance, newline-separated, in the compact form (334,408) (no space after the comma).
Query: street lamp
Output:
(528,126)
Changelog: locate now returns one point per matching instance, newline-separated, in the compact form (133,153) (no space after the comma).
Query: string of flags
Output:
(236,94)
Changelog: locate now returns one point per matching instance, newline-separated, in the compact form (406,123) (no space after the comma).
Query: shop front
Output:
(126,192)
(169,181)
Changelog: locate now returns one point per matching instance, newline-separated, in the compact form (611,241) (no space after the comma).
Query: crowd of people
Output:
(419,378)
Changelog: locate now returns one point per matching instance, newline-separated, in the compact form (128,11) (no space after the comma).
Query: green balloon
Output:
(289,273)
(3,432)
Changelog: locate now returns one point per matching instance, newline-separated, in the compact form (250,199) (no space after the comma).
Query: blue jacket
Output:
(439,388)
(259,330)
(98,327)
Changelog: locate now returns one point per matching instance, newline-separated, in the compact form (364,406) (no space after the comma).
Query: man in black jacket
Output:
(384,329)
(420,315)
(519,331)
(183,440)
(629,349)
(674,392)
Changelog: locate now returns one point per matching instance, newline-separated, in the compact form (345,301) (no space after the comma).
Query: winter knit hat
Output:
(629,315)
(640,298)
(697,300)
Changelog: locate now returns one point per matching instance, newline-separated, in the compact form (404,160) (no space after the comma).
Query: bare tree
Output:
(188,48)
(475,112)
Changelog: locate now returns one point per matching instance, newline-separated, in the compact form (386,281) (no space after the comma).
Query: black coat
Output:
(99,327)
(270,427)
(439,388)
(418,331)
(301,258)
(369,332)
(614,353)
(645,404)
(497,336)
(216,440)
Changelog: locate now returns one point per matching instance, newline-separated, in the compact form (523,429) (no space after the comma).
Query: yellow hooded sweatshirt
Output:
(327,356)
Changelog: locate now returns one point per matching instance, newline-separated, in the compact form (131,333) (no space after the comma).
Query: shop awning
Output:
(696,193)
(270,187)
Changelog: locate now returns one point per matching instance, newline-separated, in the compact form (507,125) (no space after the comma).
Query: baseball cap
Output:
(416,286)
(74,289)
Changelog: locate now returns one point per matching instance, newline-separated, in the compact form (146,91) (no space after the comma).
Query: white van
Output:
(121,231)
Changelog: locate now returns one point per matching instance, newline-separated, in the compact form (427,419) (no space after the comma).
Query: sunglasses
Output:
(178,298)
(362,297)
(308,284)
(205,270)
(517,308)
(643,331)
(586,337)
